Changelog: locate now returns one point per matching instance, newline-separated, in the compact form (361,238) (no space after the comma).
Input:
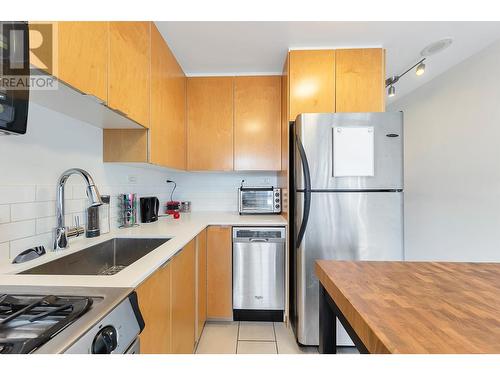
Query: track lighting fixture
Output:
(391,91)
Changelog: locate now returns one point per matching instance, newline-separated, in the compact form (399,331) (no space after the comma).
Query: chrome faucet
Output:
(62,232)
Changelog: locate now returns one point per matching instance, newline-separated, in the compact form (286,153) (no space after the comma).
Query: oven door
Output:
(256,201)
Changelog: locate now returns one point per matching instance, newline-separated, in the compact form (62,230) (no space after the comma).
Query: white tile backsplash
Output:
(33,210)
(4,213)
(4,253)
(20,229)
(17,193)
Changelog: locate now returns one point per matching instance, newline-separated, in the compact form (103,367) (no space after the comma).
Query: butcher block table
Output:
(411,307)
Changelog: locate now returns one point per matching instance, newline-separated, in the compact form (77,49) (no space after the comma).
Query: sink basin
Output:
(106,258)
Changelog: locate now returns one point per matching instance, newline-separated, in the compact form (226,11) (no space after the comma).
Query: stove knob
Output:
(105,341)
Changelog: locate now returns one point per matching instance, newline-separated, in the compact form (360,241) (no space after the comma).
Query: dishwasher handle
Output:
(259,239)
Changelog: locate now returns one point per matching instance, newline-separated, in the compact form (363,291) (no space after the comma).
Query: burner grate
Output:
(29,312)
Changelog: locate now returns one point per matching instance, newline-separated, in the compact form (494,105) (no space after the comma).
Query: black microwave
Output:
(14,77)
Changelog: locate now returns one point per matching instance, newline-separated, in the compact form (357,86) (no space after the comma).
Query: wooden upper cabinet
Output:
(155,304)
(219,273)
(168,106)
(257,127)
(210,123)
(183,300)
(311,82)
(129,69)
(360,80)
(83,52)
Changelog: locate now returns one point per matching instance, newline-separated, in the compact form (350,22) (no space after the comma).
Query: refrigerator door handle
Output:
(307,191)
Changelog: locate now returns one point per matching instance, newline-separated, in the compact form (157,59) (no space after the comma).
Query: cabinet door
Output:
(312,82)
(219,273)
(154,303)
(168,106)
(360,80)
(129,69)
(210,123)
(257,133)
(183,300)
(202,281)
(83,56)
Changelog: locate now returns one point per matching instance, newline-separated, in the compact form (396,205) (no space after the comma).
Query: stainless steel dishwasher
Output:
(258,273)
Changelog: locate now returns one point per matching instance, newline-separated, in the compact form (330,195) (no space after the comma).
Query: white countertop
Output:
(180,231)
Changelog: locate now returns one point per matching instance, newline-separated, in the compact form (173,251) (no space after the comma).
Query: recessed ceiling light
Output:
(436,47)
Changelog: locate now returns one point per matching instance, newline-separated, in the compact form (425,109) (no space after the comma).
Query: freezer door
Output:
(366,138)
(342,226)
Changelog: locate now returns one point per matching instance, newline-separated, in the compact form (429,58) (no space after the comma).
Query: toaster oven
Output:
(259,200)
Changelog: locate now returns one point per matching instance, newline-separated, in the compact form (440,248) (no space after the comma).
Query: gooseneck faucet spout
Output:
(62,232)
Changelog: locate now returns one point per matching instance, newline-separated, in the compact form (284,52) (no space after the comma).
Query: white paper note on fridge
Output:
(353,151)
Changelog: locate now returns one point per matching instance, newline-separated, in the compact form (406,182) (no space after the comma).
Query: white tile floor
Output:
(252,338)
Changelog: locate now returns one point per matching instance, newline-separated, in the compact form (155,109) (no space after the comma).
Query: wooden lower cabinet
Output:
(219,273)
(183,300)
(154,296)
(201,282)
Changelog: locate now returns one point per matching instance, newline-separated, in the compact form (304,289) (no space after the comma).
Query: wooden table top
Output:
(418,307)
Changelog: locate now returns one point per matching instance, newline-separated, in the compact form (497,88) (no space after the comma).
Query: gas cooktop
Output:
(68,320)
(28,322)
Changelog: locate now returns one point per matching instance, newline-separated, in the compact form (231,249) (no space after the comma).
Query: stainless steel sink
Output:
(106,258)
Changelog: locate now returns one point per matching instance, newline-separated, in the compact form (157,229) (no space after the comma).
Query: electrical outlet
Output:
(132,179)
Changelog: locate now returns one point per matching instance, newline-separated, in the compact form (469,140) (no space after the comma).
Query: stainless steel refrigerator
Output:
(348,201)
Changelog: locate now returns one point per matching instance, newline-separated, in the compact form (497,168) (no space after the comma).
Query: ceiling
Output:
(209,48)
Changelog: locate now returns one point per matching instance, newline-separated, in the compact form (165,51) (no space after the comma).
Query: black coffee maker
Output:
(149,209)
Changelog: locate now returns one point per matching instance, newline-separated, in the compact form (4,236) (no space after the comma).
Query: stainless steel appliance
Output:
(47,320)
(259,200)
(258,273)
(348,201)
(14,69)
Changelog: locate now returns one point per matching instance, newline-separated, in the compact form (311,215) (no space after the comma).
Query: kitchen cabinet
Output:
(360,85)
(311,81)
(183,300)
(168,106)
(165,145)
(129,69)
(154,297)
(219,273)
(125,145)
(83,57)
(201,282)
(257,127)
(210,123)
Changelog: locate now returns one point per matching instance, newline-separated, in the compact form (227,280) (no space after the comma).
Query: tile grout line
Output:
(275,338)
(237,338)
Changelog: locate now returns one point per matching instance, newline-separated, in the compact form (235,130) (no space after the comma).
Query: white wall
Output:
(452,163)
(31,164)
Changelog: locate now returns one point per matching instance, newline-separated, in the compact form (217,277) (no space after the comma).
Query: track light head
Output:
(391,91)
(420,69)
